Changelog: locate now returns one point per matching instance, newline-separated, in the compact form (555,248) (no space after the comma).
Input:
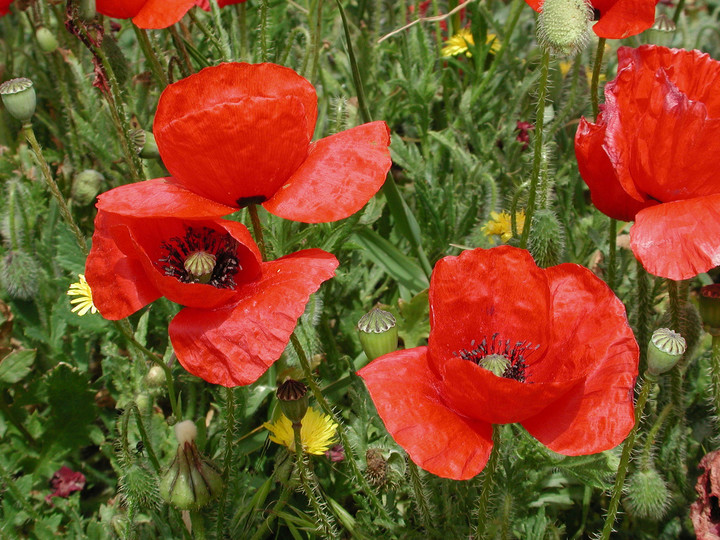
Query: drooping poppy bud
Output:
(18,96)
(155,377)
(191,481)
(86,185)
(647,494)
(547,239)
(563,25)
(709,305)
(46,39)
(378,333)
(293,399)
(665,349)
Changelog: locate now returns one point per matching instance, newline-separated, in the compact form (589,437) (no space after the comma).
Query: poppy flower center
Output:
(201,256)
(500,357)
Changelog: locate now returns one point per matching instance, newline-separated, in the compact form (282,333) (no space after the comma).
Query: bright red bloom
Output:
(238,317)
(146,13)
(568,363)
(240,134)
(5,7)
(651,157)
(617,19)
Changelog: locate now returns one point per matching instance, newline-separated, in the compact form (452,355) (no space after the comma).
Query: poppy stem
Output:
(487,485)
(650,437)
(206,31)
(349,453)
(594,98)
(228,458)
(420,497)
(147,443)
(242,23)
(150,56)
(715,371)
(648,382)
(678,11)
(644,313)
(224,39)
(53,187)
(537,157)
(186,67)
(257,229)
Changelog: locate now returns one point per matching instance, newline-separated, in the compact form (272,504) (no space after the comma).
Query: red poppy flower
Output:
(558,338)
(240,134)
(5,7)
(617,19)
(155,239)
(651,157)
(146,13)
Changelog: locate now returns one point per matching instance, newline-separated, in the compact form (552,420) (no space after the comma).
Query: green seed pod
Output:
(293,399)
(145,144)
(18,274)
(709,304)
(378,333)
(647,495)
(46,39)
(547,239)
(86,185)
(691,325)
(665,349)
(563,25)
(18,96)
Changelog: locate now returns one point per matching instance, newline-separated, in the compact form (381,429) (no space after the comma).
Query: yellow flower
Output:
(458,44)
(84,298)
(317,433)
(500,224)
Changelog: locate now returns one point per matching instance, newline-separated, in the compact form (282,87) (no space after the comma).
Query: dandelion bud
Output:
(18,274)
(647,495)
(665,349)
(18,96)
(86,185)
(46,39)
(378,333)
(547,239)
(710,308)
(563,25)
(293,400)
(191,481)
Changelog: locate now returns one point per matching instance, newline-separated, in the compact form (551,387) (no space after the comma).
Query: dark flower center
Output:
(242,202)
(202,256)
(596,14)
(500,357)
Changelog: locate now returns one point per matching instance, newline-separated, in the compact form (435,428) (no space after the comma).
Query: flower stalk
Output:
(228,457)
(487,484)
(150,56)
(715,371)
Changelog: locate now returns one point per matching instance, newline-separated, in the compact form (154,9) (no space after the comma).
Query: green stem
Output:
(146,440)
(228,458)
(52,186)
(649,380)
(644,306)
(487,484)
(715,371)
(594,97)
(537,158)
(266,527)
(612,252)
(147,49)
(198,525)
(650,438)
(186,67)
(242,23)
(220,29)
(316,41)
(206,31)
(678,11)
(676,375)
(263,30)
(257,229)
(420,498)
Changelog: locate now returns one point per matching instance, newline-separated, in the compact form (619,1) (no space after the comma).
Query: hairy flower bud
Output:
(547,239)
(18,96)
(18,274)
(378,333)
(86,185)
(647,495)
(46,39)
(155,377)
(665,349)
(564,25)
(293,400)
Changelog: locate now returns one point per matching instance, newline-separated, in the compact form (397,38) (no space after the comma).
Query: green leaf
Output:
(16,365)
(72,406)
(413,319)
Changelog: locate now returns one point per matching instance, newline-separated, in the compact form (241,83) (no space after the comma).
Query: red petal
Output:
(483,292)
(591,336)
(598,172)
(119,9)
(437,438)
(341,173)
(158,198)
(234,346)
(678,240)
(118,282)
(623,18)
(535,4)
(162,13)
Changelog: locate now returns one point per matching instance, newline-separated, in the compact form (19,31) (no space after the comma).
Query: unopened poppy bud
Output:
(191,481)
(18,274)
(647,495)
(665,349)
(145,144)
(86,185)
(378,333)
(46,39)
(293,399)
(563,25)
(709,305)
(18,96)
(547,239)
(155,377)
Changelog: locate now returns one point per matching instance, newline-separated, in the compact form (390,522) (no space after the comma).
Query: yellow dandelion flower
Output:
(565,67)
(84,298)
(459,44)
(317,433)
(500,224)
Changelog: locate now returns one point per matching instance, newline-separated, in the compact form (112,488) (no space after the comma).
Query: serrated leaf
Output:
(596,470)
(16,365)
(72,406)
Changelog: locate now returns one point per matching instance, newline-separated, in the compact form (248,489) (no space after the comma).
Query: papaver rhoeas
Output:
(617,19)
(240,134)
(652,155)
(5,7)
(146,13)
(151,240)
(558,339)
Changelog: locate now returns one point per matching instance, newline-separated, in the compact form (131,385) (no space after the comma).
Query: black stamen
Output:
(516,355)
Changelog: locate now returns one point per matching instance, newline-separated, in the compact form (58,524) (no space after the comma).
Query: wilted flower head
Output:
(64,482)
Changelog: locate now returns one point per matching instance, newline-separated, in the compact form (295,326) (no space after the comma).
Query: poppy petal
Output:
(119,10)
(591,331)
(435,437)
(234,346)
(118,282)
(161,13)
(623,18)
(678,240)
(340,174)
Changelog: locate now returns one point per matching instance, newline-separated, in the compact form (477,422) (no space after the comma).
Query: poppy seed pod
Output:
(18,96)
(293,399)
(665,349)
(563,25)
(378,333)
(709,304)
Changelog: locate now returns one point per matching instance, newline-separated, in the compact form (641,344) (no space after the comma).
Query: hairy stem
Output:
(487,484)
